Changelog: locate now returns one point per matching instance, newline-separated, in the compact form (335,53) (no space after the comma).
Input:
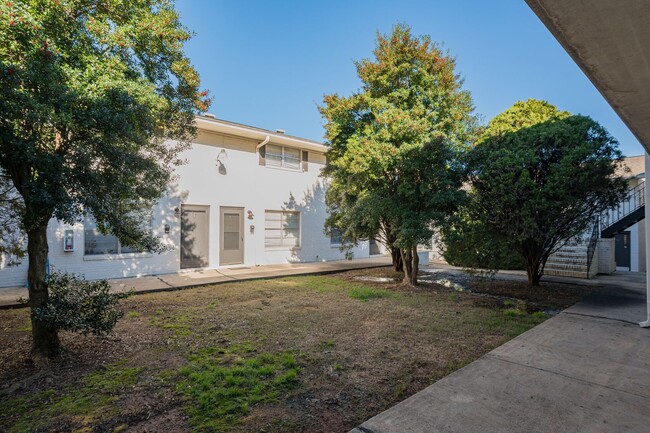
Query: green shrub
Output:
(78,305)
(469,244)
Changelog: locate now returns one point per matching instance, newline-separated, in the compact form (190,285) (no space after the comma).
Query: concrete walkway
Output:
(584,370)
(157,283)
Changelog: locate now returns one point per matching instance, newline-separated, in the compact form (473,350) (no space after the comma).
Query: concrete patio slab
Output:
(585,370)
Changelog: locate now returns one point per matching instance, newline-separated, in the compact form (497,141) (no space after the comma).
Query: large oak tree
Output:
(89,92)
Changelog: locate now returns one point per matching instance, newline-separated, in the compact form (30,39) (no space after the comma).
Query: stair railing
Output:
(593,242)
(634,200)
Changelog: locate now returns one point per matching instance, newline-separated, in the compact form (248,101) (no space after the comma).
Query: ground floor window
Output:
(282,229)
(335,236)
(97,243)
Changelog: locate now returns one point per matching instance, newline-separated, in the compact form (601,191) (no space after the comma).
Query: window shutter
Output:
(262,153)
(305,160)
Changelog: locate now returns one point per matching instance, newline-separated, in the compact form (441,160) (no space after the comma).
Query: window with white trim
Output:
(280,156)
(97,243)
(281,229)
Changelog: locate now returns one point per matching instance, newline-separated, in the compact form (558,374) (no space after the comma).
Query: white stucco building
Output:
(245,197)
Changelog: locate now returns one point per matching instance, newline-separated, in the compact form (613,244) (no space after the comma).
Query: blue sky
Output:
(269,63)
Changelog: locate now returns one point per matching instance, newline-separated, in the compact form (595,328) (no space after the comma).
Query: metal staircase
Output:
(629,212)
(577,257)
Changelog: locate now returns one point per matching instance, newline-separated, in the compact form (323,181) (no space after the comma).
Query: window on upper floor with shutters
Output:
(289,158)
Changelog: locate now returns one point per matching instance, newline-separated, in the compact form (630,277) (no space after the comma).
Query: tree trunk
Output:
(45,339)
(398,263)
(415,267)
(406,262)
(411,265)
(534,270)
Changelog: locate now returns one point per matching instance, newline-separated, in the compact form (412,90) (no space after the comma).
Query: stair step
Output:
(572,256)
(570,266)
(567,267)
(566,273)
(575,249)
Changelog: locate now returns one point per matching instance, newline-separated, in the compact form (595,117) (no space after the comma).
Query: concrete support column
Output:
(646,324)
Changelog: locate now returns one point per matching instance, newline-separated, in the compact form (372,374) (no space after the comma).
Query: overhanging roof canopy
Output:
(610,41)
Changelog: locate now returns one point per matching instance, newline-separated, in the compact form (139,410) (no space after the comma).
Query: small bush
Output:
(78,305)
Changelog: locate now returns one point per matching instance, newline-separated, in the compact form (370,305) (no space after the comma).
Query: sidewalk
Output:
(185,279)
(584,370)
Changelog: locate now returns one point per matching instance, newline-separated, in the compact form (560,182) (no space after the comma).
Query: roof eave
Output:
(214,125)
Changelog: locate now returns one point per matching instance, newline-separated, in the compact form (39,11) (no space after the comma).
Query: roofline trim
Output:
(225,127)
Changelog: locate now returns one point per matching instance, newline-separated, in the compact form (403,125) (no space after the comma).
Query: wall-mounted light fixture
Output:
(220,159)
(250,215)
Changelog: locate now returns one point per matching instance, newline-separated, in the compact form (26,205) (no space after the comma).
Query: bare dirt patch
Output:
(548,295)
(358,346)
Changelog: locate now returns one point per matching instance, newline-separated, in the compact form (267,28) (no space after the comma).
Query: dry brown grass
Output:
(356,357)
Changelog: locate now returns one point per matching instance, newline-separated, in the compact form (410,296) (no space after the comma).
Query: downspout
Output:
(257,148)
(266,140)
(646,324)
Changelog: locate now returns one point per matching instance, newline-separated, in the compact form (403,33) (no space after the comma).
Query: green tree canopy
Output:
(90,90)
(539,176)
(393,164)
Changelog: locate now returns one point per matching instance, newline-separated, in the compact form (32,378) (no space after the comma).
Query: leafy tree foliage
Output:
(12,236)
(467,242)
(89,91)
(394,144)
(539,176)
(77,305)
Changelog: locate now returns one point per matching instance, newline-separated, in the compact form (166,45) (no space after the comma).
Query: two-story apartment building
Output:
(244,197)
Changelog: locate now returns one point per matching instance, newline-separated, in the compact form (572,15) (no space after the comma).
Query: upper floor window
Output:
(272,155)
(280,156)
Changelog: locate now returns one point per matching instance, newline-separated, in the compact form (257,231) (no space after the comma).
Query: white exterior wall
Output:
(198,182)
(606,260)
(258,188)
(634,248)
(642,245)
(104,266)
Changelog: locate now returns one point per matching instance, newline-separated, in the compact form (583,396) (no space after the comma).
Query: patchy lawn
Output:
(316,353)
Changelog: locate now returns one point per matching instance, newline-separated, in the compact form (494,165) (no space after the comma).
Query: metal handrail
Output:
(634,200)
(593,241)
